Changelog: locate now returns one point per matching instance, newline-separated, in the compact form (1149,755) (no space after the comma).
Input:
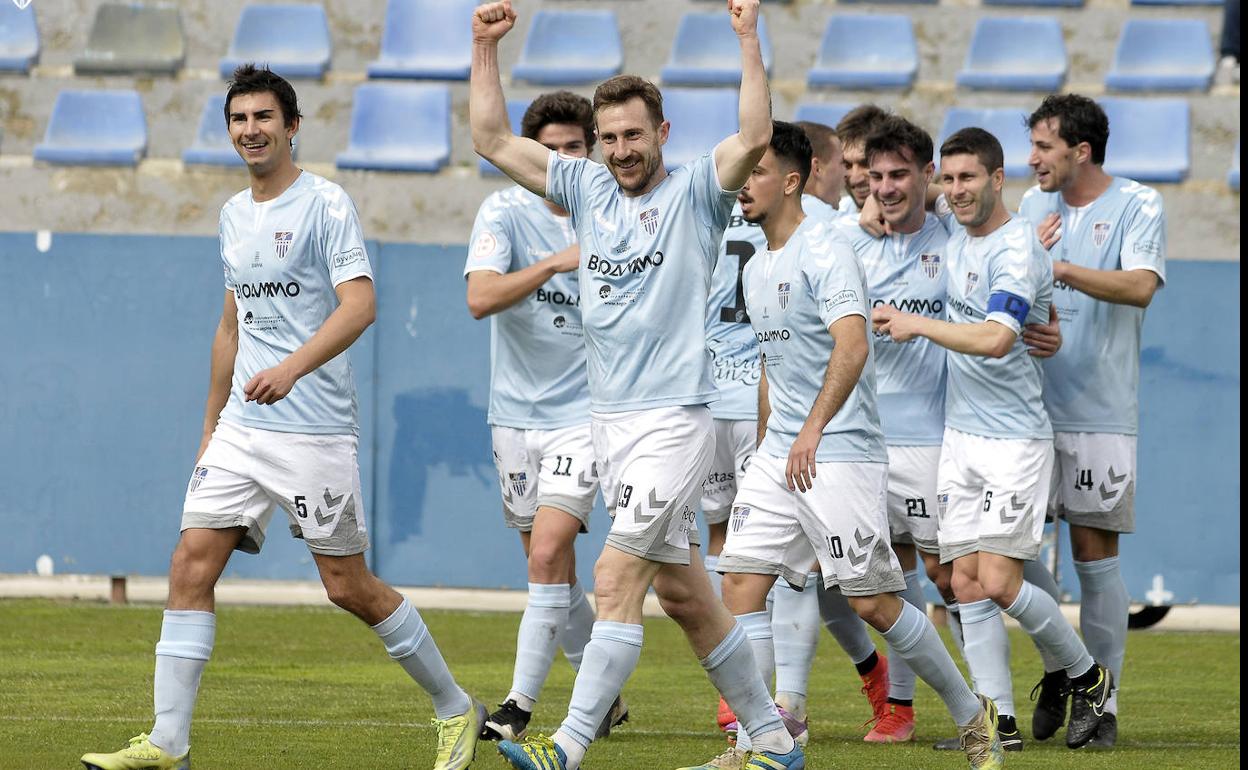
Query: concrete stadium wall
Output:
(105,370)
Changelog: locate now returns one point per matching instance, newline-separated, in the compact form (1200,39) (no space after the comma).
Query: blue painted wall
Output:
(104,369)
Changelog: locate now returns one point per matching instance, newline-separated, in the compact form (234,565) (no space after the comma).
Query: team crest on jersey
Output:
(1100,233)
(519,482)
(197,477)
(281,243)
(931,264)
(739,515)
(650,221)
(783,292)
(971,280)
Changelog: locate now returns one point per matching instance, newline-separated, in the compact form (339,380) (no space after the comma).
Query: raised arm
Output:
(524,160)
(736,156)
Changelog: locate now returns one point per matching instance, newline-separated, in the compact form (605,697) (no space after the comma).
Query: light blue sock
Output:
(953,616)
(409,642)
(608,662)
(580,626)
(795,625)
(717,580)
(1041,618)
(1039,576)
(1103,612)
(913,639)
(734,672)
(541,626)
(843,623)
(900,675)
(987,651)
(186,638)
(758,630)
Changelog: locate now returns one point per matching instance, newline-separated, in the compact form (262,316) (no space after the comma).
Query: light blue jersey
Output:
(282,260)
(908,272)
(1092,384)
(537,350)
(1006,277)
(793,296)
(734,348)
(645,278)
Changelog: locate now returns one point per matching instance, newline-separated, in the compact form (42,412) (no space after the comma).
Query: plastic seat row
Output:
(430,39)
(407,127)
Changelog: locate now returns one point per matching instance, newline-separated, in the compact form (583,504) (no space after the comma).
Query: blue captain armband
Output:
(1011,304)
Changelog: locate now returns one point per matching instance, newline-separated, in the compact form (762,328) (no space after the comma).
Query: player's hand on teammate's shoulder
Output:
(492,20)
(1043,340)
(744,15)
(871,218)
(270,385)
(567,260)
(1049,230)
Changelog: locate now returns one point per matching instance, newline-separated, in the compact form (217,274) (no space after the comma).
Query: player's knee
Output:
(965,587)
(548,560)
(874,610)
(1002,588)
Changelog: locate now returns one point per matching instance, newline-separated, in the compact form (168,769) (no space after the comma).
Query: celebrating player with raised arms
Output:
(649,240)
(522,258)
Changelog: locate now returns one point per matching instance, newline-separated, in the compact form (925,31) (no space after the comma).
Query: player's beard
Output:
(649,167)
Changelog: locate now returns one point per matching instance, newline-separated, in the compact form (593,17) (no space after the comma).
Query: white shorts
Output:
(545,468)
(652,463)
(912,496)
(841,522)
(315,478)
(734,445)
(991,495)
(1094,480)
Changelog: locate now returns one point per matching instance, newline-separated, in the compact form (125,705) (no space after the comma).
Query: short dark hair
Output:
(821,137)
(900,137)
(622,88)
(1079,119)
(790,144)
(859,122)
(978,142)
(559,107)
(250,79)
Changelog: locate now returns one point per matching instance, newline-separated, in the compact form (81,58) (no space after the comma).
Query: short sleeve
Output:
(1144,243)
(230,281)
(835,277)
(566,181)
(344,251)
(489,248)
(944,213)
(1010,279)
(710,200)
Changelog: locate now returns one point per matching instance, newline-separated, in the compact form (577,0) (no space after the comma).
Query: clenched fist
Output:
(491,21)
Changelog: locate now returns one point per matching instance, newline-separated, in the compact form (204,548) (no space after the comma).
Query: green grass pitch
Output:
(312,688)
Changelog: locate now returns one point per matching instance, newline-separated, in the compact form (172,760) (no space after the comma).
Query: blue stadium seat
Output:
(565,47)
(1043,3)
(1176,2)
(292,39)
(827,113)
(426,39)
(132,38)
(1162,55)
(515,113)
(866,51)
(706,52)
(95,128)
(701,118)
(1149,139)
(1009,126)
(19,38)
(1020,54)
(399,127)
(1232,177)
